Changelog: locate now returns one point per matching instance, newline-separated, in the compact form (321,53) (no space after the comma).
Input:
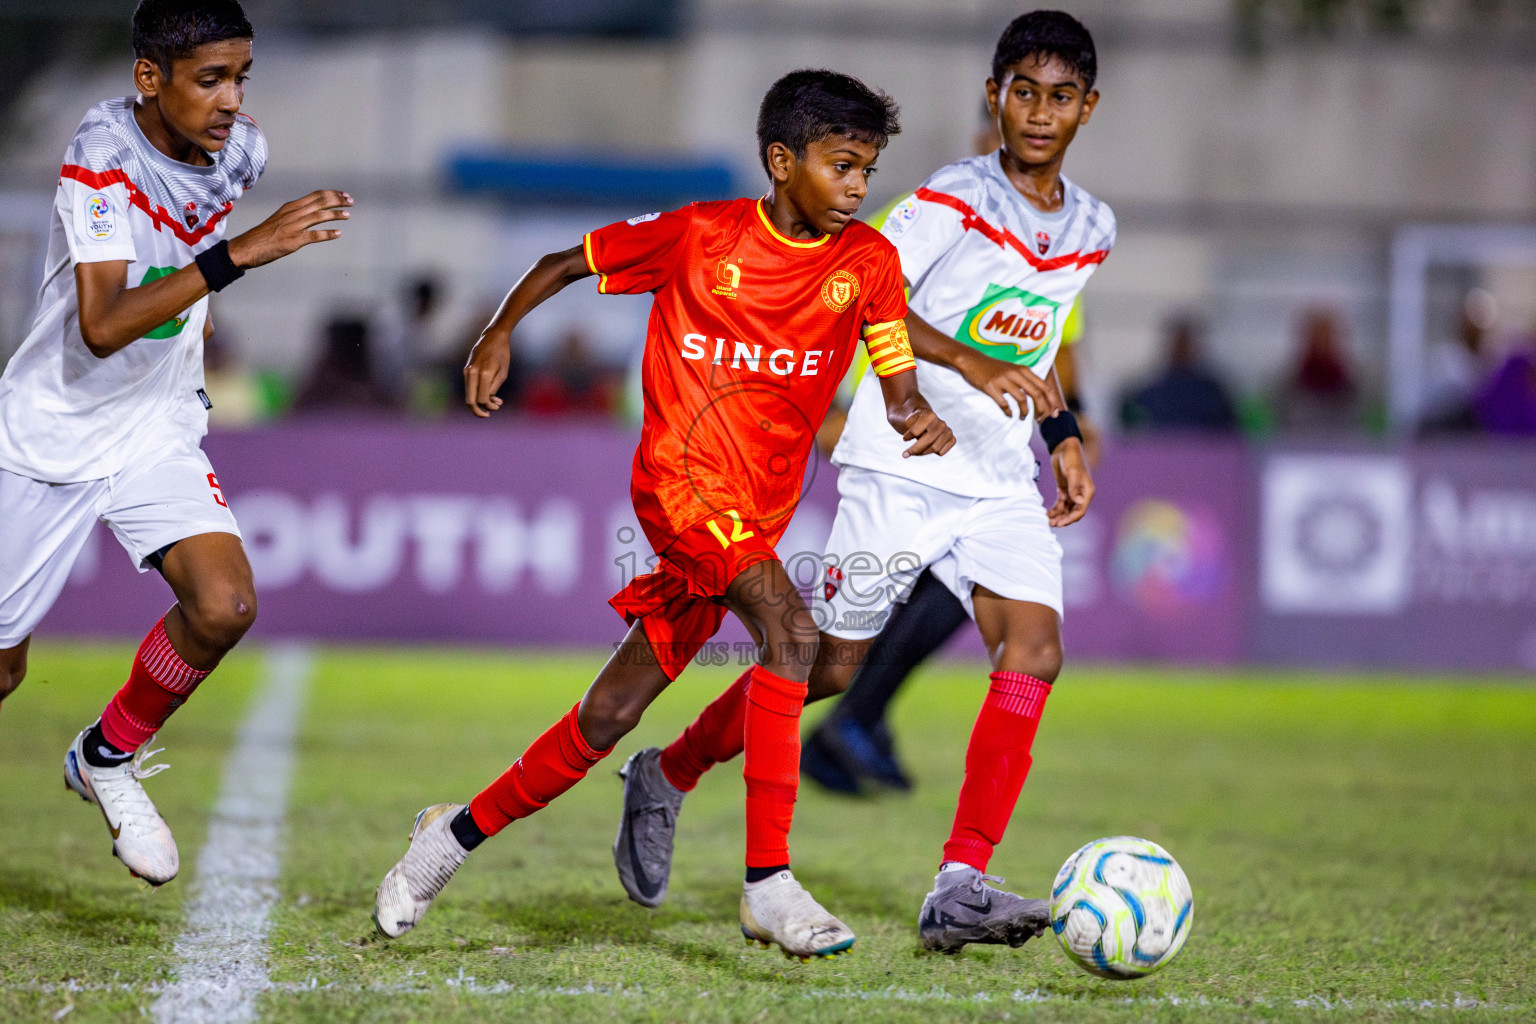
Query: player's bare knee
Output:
(790,650)
(220,623)
(11,675)
(1039,657)
(608,717)
(835,667)
(623,719)
(823,684)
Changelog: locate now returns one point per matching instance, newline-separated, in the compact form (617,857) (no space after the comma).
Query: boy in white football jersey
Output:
(995,249)
(102,408)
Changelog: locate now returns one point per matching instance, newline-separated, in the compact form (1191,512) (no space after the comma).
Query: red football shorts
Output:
(681,604)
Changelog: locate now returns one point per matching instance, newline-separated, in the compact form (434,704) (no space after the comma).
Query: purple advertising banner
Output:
(1160,566)
(519,532)
(1415,559)
(1194,551)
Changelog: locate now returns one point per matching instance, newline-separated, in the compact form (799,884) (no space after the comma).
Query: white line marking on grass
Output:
(222,952)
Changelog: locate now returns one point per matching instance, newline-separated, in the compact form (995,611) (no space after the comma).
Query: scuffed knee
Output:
(220,624)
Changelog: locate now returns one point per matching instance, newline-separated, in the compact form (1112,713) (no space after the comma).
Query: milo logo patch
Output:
(1012,324)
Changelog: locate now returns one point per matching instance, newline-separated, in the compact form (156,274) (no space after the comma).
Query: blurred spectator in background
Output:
(235,391)
(418,336)
(1321,392)
(1454,367)
(1187,396)
(343,379)
(571,381)
(1506,402)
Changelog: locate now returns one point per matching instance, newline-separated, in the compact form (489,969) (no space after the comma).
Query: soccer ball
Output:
(1121,907)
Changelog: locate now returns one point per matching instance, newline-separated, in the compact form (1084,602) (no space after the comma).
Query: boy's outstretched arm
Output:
(113,315)
(491,357)
(993,377)
(910,415)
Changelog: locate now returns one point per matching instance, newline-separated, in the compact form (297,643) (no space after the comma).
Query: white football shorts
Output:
(43,526)
(889,528)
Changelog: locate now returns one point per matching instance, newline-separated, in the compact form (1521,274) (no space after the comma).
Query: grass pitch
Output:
(1360,849)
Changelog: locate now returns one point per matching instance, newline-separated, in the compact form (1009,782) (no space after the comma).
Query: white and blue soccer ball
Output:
(1121,907)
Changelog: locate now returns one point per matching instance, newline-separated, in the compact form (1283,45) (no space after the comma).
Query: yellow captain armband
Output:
(890,350)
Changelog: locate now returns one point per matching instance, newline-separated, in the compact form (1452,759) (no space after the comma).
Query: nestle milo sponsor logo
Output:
(1012,324)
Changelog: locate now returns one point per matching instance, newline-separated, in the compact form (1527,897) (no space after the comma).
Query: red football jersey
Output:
(749,336)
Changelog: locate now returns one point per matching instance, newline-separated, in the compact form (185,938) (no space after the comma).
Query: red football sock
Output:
(158,684)
(996,764)
(772,769)
(714,737)
(552,764)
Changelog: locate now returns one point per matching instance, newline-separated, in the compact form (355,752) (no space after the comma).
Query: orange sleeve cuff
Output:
(586,252)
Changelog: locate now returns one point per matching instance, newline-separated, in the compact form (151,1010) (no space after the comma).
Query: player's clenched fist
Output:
(291,228)
(486,372)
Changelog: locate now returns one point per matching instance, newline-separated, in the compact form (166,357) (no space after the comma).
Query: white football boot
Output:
(140,837)
(411,885)
(778,910)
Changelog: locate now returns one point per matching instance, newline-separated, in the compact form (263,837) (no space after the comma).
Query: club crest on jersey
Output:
(728,276)
(839,290)
(1042,241)
(100,221)
(190,216)
(834,580)
(1012,324)
(642,218)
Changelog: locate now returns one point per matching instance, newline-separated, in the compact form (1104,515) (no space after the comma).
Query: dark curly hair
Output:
(1046,34)
(806,106)
(168,30)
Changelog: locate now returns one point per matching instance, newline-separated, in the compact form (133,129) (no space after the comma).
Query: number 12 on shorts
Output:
(738,532)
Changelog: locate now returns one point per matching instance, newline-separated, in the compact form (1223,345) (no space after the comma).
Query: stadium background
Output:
(1368,165)
(1336,732)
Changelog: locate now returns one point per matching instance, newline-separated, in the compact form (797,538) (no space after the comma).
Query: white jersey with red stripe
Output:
(65,415)
(988,268)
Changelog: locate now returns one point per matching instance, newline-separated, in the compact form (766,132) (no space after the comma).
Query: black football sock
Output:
(99,753)
(758,874)
(465,830)
(916,629)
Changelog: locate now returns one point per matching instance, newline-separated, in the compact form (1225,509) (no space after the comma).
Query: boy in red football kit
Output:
(757,311)
(975,520)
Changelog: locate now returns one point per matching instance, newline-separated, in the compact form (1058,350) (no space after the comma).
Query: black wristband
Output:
(1058,428)
(218,269)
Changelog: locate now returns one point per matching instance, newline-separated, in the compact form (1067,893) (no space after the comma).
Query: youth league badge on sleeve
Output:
(642,219)
(100,217)
(902,216)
